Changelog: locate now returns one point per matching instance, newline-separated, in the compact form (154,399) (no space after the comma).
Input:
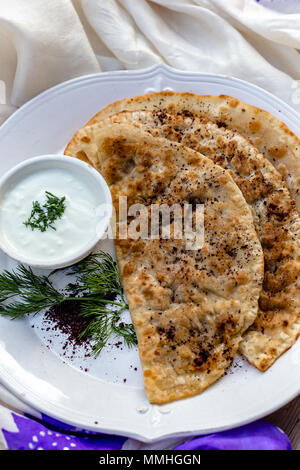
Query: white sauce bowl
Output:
(84,222)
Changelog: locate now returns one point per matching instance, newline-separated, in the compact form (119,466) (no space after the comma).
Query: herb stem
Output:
(96,299)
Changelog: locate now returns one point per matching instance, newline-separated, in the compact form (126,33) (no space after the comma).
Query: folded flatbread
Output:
(269,135)
(276,220)
(189,306)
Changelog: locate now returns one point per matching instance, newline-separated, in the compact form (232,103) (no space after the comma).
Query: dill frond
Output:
(97,287)
(42,217)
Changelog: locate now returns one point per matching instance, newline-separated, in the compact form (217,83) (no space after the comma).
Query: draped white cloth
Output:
(43,43)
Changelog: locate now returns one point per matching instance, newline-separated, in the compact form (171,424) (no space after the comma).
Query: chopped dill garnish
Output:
(97,287)
(44,216)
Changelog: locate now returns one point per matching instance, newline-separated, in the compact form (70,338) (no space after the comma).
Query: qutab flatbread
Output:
(269,135)
(189,307)
(277,222)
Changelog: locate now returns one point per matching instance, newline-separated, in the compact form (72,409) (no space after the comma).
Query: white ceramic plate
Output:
(98,399)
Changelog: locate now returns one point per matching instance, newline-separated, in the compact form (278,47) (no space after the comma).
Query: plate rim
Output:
(142,434)
(164,69)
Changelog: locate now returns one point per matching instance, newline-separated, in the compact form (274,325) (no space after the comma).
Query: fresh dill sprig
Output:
(97,287)
(44,216)
(98,274)
(35,293)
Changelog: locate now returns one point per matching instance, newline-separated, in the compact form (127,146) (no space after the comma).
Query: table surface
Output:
(288,419)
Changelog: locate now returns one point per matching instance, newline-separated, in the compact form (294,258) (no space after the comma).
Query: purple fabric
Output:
(35,435)
(260,435)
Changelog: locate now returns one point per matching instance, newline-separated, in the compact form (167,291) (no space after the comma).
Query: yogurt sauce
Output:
(74,230)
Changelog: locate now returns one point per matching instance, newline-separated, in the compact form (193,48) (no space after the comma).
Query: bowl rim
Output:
(87,248)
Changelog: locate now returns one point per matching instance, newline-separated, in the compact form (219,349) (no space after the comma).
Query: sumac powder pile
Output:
(66,318)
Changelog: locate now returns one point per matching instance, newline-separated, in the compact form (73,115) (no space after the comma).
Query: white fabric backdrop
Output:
(44,43)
